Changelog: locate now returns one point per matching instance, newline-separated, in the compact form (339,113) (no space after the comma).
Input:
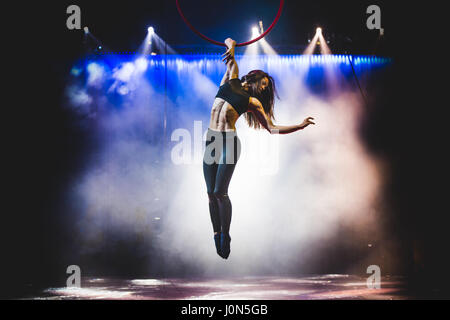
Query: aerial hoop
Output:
(201,35)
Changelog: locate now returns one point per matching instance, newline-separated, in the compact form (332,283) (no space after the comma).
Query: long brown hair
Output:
(266,96)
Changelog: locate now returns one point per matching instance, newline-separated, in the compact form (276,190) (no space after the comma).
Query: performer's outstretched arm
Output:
(256,107)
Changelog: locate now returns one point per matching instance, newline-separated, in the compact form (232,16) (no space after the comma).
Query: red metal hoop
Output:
(201,35)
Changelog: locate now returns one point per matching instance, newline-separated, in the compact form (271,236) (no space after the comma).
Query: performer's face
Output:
(264,83)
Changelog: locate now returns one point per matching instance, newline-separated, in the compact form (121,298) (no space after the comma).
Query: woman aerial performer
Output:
(253,96)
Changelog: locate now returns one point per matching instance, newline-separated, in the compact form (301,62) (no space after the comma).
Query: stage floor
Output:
(246,288)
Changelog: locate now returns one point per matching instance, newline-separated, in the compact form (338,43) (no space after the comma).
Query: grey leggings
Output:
(221,155)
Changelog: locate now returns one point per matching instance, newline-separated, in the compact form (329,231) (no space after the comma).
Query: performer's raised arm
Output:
(228,57)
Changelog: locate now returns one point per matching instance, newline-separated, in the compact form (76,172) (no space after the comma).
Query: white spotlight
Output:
(151,30)
(86,30)
(255,32)
(319,30)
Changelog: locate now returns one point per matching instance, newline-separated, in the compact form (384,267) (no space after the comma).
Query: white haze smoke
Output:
(324,178)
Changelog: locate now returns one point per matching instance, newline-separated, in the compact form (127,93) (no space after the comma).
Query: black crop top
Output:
(233,93)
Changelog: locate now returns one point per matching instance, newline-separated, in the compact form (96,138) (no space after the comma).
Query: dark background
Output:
(44,152)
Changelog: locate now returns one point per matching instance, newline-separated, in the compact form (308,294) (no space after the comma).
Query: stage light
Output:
(86,30)
(255,32)
(261,27)
(151,30)
(317,40)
